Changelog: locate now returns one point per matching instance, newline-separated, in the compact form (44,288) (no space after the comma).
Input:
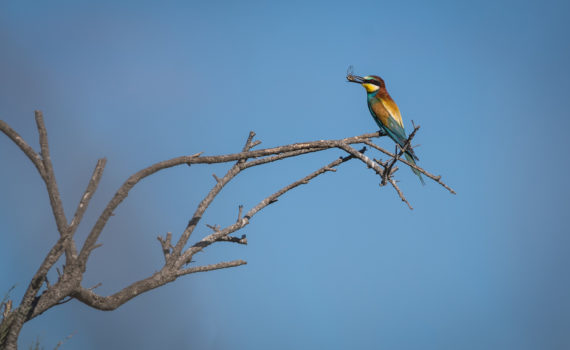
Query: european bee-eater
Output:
(386,113)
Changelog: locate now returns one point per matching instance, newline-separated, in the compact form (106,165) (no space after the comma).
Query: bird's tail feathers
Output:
(410,159)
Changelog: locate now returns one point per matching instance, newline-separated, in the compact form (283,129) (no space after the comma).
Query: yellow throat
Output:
(370,87)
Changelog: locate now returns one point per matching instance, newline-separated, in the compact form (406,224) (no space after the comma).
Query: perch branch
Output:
(431,176)
(388,172)
(69,283)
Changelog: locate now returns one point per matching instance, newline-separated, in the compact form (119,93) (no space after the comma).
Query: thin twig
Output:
(431,176)
(221,265)
(214,228)
(166,245)
(96,286)
(400,193)
(388,172)
(60,343)
(23,145)
(240,211)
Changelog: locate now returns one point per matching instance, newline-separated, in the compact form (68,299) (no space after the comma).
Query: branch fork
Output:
(176,254)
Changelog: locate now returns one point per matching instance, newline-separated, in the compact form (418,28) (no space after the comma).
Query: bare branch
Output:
(53,191)
(123,191)
(399,154)
(166,245)
(51,184)
(96,286)
(313,146)
(60,343)
(68,284)
(28,151)
(431,176)
(21,314)
(214,228)
(193,156)
(87,195)
(400,193)
(119,196)
(219,234)
(239,240)
(113,301)
(164,276)
(284,155)
(291,186)
(205,203)
(221,265)
(361,156)
(248,145)
(240,211)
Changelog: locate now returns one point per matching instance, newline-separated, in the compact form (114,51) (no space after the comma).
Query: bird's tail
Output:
(411,160)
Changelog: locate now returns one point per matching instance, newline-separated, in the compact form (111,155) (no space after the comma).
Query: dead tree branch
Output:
(177,255)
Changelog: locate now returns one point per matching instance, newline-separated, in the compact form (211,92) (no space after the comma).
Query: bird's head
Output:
(371,83)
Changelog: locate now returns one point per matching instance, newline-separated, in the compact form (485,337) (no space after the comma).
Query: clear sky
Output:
(340,263)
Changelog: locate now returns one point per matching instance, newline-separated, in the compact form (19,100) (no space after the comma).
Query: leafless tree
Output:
(177,255)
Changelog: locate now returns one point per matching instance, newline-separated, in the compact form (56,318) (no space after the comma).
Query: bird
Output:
(386,113)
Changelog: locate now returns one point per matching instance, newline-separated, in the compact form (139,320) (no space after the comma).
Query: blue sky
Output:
(340,263)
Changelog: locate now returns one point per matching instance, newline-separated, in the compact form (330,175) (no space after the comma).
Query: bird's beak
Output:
(355,79)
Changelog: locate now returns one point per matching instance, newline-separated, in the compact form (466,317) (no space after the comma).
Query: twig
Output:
(96,286)
(60,343)
(431,176)
(221,265)
(166,245)
(23,145)
(388,172)
(400,193)
(240,211)
(214,228)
